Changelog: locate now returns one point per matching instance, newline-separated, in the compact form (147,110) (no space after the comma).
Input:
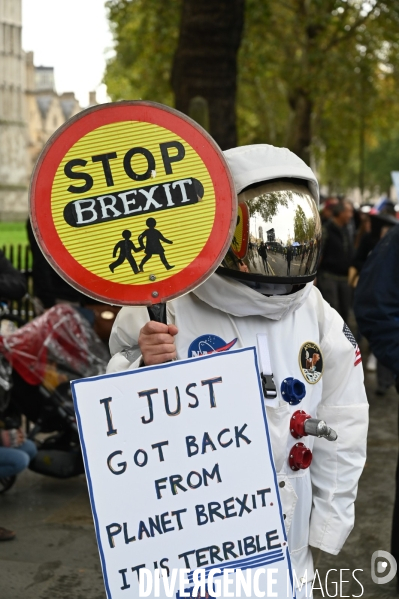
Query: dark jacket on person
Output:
(369,240)
(366,245)
(376,301)
(12,282)
(337,249)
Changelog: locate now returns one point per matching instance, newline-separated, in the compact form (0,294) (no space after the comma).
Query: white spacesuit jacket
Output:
(318,503)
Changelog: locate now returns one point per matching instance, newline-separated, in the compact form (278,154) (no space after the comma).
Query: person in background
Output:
(16,452)
(326,209)
(362,226)
(12,287)
(12,282)
(376,307)
(336,258)
(380,224)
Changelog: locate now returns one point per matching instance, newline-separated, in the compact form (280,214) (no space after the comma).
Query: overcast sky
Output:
(73,37)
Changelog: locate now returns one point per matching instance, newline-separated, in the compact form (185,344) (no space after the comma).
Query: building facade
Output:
(46,110)
(30,112)
(14,168)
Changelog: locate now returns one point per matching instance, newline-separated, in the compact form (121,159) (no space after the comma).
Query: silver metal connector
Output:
(319,428)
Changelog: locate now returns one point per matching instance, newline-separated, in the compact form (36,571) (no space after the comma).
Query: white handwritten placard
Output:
(181,479)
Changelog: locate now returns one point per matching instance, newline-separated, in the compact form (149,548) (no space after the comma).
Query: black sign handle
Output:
(157,312)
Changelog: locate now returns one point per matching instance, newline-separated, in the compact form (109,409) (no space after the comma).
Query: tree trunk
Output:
(205,63)
(301,128)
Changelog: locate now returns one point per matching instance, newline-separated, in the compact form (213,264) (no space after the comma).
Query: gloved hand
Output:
(13,437)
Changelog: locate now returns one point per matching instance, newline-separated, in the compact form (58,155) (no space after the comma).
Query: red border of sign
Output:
(78,276)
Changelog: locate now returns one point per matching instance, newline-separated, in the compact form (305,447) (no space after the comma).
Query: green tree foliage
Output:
(346,55)
(268,205)
(310,74)
(318,76)
(304,227)
(146,34)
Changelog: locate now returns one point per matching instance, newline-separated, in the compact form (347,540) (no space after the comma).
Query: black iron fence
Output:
(20,257)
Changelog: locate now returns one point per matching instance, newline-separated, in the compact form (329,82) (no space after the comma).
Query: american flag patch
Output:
(349,335)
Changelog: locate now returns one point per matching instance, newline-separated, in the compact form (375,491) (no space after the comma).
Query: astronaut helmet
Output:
(278,232)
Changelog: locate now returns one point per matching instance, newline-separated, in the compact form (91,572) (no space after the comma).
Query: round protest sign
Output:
(132,203)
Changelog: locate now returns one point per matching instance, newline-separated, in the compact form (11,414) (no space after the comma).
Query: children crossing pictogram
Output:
(125,247)
(153,245)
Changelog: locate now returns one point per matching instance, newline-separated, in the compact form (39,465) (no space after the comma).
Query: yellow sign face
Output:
(112,236)
(132,203)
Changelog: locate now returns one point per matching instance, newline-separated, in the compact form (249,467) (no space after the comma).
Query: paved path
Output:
(55,554)
(372,529)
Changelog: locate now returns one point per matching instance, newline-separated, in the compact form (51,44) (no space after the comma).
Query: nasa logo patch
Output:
(311,362)
(208,344)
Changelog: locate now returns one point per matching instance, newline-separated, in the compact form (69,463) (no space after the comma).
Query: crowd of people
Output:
(21,401)
(16,451)
(349,237)
(359,269)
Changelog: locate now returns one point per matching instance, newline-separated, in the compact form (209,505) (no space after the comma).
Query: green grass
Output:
(13,234)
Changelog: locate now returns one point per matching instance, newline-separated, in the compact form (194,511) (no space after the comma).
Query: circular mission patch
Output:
(311,362)
(132,203)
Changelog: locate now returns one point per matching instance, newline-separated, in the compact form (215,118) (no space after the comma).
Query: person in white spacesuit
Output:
(308,357)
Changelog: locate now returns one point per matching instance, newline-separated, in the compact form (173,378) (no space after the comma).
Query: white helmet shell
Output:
(262,162)
(278,233)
